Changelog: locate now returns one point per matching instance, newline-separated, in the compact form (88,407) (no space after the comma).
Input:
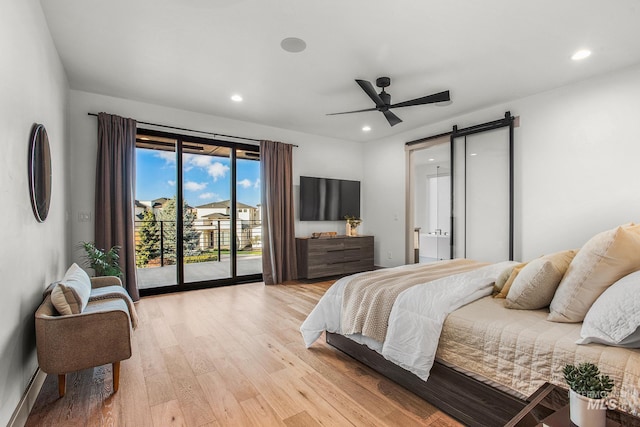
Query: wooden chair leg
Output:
(116,376)
(62,383)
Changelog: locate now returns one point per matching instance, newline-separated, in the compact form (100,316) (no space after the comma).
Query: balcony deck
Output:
(153,277)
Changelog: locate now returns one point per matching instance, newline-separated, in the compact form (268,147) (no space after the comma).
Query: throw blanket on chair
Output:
(116,292)
(369,297)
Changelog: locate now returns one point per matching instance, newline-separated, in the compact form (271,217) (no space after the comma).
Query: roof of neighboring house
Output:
(223,205)
(216,215)
(139,204)
(158,203)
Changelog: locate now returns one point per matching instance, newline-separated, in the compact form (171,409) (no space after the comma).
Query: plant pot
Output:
(348,231)
(586,412)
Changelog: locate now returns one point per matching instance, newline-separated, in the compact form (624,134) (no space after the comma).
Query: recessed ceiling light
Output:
(293,44)
(581,54)
(366,128)
(431,160)
(236,98)
(473,154)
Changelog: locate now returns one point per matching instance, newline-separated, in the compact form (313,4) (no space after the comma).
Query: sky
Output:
(206,179)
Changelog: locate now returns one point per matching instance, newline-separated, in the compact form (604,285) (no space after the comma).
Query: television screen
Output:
(325,199)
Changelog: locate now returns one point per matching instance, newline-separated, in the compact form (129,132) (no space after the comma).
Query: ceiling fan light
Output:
(383,103)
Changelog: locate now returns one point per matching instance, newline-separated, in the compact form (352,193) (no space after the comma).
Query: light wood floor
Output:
(232,356)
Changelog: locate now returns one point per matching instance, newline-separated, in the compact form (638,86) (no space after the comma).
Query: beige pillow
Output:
(536,284)
(604,259)
(514,273)
(71,294)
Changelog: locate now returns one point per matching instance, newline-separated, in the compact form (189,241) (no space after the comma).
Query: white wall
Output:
(315,156)
(384,199)
(33,88)
(576,157)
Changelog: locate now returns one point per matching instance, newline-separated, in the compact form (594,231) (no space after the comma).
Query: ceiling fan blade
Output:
(391,118)
(356,111)
(429,99)
(370,90)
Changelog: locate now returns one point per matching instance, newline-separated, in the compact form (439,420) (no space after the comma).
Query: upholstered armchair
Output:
(99,334)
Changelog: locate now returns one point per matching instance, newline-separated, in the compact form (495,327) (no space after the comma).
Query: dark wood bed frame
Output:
(464,398)
(470,401)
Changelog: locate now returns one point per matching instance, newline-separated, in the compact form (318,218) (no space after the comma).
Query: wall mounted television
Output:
(326,199)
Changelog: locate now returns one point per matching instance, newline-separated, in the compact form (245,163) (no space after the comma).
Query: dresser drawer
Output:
(335,256)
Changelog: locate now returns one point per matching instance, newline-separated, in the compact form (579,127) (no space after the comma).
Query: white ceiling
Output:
(194,54)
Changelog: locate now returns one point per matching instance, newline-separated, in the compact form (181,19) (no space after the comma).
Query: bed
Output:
(470,355)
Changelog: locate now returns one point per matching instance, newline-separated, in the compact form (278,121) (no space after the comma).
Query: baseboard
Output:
(20,415)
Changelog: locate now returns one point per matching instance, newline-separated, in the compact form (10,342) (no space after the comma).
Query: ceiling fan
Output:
(383,100)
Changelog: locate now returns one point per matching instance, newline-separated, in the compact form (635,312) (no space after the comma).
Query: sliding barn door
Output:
(482,196)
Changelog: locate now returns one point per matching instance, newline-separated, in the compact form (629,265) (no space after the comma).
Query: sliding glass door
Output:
(198,212)
(155,211)
(249,214)
(206,226)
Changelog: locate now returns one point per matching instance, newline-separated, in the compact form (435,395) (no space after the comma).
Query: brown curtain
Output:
(278,233)
(115,185)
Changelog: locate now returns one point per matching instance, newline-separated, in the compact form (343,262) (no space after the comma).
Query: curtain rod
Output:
(193,130)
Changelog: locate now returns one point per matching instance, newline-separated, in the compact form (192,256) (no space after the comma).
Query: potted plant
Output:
(352,224)
(588,390)
(104,263)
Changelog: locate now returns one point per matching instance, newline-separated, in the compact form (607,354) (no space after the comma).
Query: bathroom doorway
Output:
(431,194)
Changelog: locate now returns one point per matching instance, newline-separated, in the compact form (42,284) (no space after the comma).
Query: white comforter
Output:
(416,318)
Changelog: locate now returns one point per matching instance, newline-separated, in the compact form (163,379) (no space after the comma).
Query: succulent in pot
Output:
(587,397)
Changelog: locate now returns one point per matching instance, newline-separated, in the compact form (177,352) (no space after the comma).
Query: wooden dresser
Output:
(332,256)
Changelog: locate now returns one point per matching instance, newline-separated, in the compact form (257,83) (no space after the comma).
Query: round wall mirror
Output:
(39,172)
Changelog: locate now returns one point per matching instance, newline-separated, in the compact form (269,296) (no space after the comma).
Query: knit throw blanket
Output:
(113,292)
(369,297)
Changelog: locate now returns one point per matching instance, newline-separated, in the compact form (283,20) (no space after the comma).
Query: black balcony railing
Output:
(203,240)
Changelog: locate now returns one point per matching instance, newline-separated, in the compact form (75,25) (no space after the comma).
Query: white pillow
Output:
(614,319)
(71,294)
